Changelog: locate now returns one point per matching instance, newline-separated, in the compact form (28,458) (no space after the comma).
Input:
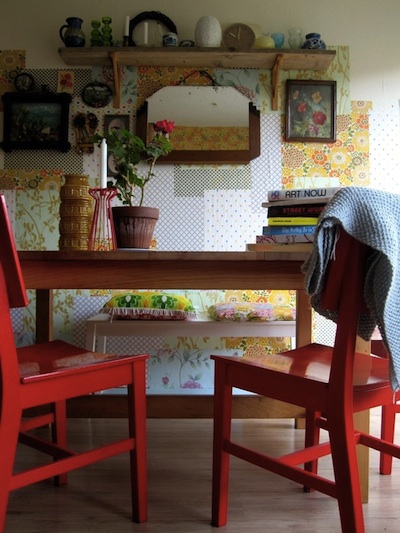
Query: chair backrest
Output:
(9,260)
(12,294)
(343,295)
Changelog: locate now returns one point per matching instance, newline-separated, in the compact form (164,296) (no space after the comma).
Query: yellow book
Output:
(292,221)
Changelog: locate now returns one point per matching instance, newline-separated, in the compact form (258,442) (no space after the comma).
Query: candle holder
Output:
(102,234)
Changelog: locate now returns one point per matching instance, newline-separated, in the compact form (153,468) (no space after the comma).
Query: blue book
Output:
(288,230)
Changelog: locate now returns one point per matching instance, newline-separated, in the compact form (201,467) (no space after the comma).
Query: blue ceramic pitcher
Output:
(71,33)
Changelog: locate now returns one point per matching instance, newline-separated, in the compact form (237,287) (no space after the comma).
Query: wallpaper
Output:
(203,207)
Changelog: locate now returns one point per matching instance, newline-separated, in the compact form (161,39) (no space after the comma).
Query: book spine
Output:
(288,230)
(297,201)
(279,247)
(292,221)
(311,210)
(284,239)
(290,194)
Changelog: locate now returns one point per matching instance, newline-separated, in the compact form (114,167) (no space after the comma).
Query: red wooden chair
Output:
(330,383)
(49,374)
(388,413)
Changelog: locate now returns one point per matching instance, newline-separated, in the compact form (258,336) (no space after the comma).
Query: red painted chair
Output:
(330,383)
(388,414)
(49,374)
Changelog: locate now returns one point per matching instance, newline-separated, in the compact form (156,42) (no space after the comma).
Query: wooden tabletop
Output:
(168,270)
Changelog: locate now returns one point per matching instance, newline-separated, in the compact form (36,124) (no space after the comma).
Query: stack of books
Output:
(292,218)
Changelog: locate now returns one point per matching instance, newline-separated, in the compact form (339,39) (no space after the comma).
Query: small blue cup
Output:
(170,39)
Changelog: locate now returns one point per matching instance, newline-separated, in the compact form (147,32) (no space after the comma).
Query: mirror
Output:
(212,124)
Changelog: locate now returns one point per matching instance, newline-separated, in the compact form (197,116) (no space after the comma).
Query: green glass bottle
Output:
(95,34)
(107,31)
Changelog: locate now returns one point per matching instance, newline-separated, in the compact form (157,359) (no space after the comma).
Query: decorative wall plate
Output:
(24,82)
(97,94)
(150,15)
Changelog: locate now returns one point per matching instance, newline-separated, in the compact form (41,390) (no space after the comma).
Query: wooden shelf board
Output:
(199,57)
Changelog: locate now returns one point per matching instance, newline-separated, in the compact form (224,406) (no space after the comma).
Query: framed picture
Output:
(114,122)
(36,121)
(310,111)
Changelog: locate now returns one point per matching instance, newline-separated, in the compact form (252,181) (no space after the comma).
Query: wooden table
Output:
(45,271)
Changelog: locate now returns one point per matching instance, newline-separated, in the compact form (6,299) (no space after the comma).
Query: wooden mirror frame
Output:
(208,156)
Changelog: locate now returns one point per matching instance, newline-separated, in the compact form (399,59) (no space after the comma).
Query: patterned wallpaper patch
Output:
(12,62)
(216,138)
(193,181)
(346,159)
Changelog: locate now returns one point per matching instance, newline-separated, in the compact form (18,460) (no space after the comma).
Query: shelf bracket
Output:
(117,79)
(275,81)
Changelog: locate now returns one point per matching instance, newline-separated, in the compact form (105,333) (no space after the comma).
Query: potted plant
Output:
(134,163)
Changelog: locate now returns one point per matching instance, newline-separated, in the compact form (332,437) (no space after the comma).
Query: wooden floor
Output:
(97,498)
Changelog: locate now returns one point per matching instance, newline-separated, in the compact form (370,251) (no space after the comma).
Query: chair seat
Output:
(39,362)
(301,376)
(314,363)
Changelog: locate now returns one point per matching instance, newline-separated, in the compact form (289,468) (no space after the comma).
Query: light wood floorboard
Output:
(179,460)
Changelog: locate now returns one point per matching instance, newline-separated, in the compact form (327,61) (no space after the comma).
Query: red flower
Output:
(164,126)
(302,107)
(319,118)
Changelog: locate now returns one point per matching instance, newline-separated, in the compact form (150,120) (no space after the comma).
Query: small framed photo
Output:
(36,121)
(117,123)
(310,111)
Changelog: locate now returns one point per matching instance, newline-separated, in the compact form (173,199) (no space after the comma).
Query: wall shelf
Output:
(275,59)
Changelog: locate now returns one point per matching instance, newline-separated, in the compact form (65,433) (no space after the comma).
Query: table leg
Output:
(303,319)
(44,315)
(361,422)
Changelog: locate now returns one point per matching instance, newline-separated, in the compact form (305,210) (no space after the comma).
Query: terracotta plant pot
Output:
(134,226)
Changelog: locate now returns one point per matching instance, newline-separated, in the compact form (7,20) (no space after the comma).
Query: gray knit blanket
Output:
(372,217)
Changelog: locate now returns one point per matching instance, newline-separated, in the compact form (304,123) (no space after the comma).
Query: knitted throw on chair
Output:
(372,217)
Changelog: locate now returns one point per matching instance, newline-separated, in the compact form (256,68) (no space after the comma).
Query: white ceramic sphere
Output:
(208,32)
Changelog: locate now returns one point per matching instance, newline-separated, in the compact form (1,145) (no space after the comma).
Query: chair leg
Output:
(312,437)
(221,459)
(387,433)
(59,434)
(137,431)
(9,439)
(345,465)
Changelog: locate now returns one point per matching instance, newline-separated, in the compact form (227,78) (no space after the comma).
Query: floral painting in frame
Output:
(310,111)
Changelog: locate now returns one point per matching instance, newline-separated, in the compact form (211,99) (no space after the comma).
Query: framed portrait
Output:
(117,123)
(36,121)
(310,111)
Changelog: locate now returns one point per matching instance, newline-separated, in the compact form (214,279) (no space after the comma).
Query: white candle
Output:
(103,164)
(145,33)
(126,26)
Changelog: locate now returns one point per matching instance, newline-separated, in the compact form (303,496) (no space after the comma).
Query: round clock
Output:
(24,82)
(238,36)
